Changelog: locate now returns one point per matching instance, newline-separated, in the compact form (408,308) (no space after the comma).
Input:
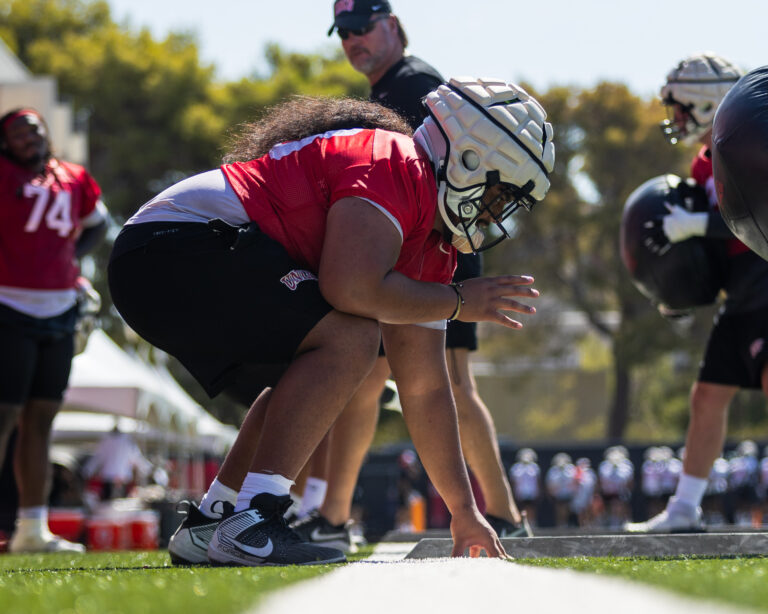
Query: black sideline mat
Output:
(625,545)
(408,536)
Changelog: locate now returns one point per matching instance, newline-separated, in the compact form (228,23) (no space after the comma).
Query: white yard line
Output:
(386,584)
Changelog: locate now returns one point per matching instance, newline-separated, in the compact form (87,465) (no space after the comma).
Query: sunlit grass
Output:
(738,581)
(147,583)
(134,583)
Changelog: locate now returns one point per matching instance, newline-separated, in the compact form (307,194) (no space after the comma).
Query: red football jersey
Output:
(40,220)
(289,191)
(701,171)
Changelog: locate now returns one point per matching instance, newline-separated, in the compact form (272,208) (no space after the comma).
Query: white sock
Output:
(39,511)
(690,491)
(217,492)
(32,520)
(257,483)
(313,497)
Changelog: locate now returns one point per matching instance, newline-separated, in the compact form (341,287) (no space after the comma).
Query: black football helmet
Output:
(687,274)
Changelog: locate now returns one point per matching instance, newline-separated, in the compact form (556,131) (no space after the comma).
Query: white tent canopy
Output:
(107,380)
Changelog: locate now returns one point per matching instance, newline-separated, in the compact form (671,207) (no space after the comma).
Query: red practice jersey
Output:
(701,171)
(289,191)
(40,220)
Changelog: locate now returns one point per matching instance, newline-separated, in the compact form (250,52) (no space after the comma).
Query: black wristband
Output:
(459,300)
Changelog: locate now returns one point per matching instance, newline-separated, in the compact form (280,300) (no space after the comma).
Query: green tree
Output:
(155,112)
(607,143)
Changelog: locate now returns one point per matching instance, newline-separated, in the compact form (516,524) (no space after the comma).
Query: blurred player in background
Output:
(737,351)
(51,214)
(650,480)
(525,478)
(583,502)
(672,468)
(744,484)
(560,481)
(616,478)
(714,505)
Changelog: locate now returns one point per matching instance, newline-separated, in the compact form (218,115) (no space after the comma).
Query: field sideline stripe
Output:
(458,586)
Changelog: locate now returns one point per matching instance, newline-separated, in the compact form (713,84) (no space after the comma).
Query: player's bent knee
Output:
(706,402)
(353,337)
(361,337)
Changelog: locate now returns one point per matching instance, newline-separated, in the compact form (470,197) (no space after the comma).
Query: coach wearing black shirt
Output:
(374,42)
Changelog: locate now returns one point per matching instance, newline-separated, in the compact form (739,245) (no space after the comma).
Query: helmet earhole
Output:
(470,160)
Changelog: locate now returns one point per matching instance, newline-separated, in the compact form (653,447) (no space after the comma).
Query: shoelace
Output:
(277,519)
(227,509)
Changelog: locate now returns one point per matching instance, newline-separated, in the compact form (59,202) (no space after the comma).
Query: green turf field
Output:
(133,583)
(736,581)
(146,583)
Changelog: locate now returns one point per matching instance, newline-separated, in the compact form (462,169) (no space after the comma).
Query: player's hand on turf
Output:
(472,533)
(487,298)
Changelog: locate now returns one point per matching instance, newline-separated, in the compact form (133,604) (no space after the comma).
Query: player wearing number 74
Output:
(50,214)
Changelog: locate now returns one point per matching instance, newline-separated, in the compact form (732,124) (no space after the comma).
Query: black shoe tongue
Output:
(267,504)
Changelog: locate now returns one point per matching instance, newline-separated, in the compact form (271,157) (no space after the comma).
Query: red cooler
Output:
(109,532)
(68,523)
(145,528)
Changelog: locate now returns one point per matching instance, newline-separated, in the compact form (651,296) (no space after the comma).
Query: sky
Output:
(545,43)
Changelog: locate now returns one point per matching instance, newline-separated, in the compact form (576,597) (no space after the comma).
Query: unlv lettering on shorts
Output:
(294,278)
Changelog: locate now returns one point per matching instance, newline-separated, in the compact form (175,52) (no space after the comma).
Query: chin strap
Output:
(467,246)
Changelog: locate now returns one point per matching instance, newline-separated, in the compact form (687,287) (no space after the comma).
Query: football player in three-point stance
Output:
(327,225)
(737,350)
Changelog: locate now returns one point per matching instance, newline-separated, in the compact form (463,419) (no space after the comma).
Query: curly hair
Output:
(303,116)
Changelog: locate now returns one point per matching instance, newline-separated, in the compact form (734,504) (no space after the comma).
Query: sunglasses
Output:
(345,32)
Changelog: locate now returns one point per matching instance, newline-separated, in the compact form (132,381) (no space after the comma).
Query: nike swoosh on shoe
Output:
(262,552)
(318,536)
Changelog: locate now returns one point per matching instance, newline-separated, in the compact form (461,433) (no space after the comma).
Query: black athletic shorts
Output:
(35,355)
(464,334)
(737,350)
(227,301)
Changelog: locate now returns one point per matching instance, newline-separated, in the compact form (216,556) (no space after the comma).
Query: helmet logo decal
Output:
(470,160)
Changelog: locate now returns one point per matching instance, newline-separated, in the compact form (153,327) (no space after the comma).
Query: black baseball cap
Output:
(355,14)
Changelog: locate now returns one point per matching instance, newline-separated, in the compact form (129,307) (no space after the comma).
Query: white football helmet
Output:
(493,133)
(697,84)
(747,448)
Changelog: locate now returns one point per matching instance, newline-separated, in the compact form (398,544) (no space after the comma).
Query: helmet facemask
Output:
(478,217)
(692,92)
(681,125)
